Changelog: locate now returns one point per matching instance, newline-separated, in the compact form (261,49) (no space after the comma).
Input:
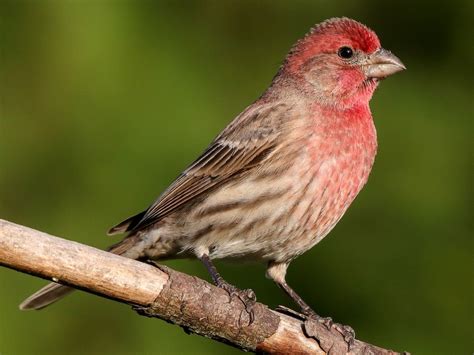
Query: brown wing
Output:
(243,145)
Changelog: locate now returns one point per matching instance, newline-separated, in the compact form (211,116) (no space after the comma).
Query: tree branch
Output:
(160,292)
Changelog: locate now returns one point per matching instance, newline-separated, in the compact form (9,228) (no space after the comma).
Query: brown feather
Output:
(53,292)
(232,152)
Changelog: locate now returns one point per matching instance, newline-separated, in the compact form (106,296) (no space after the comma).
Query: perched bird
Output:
(279,177)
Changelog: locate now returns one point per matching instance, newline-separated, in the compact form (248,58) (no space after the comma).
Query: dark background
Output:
(103,103)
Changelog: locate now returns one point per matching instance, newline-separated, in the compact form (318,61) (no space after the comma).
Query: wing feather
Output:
(232,152)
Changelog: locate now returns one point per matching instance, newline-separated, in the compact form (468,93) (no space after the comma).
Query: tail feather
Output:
(53,292)
(127,225)
(44,297)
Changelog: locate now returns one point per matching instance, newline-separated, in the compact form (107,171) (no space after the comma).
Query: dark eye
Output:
(345,52)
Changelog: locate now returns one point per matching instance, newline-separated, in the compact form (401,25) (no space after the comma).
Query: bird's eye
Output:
(345,52)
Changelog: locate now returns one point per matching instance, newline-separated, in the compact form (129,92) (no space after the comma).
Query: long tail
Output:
(53,292)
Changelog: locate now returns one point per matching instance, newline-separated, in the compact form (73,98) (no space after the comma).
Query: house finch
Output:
(280,175)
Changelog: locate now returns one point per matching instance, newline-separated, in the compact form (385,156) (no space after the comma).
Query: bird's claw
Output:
(290,312)
(346,331)
(247,296)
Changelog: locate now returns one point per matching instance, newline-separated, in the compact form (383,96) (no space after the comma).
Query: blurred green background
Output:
(103,103)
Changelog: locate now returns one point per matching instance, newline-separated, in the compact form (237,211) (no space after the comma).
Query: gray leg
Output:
(247,296)
(305,309)
(277,272)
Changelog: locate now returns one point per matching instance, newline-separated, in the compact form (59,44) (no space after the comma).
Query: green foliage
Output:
(104,103)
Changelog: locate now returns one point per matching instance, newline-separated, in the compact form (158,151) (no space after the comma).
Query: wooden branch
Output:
(188,301)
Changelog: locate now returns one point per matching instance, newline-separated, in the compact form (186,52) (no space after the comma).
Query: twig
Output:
(160,292)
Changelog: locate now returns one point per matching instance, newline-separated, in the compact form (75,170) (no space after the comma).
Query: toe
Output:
(346,331)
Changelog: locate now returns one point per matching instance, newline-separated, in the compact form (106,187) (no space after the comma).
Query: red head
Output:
(339,62)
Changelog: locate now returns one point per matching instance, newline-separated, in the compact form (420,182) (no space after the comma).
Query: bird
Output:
(282,173)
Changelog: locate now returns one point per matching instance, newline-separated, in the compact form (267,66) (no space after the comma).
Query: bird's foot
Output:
(290,312)
(247,296)
(346,331)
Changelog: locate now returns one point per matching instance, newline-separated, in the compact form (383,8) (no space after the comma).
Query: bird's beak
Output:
(381,64)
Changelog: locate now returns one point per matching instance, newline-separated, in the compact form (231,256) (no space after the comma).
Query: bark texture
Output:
(175,297)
